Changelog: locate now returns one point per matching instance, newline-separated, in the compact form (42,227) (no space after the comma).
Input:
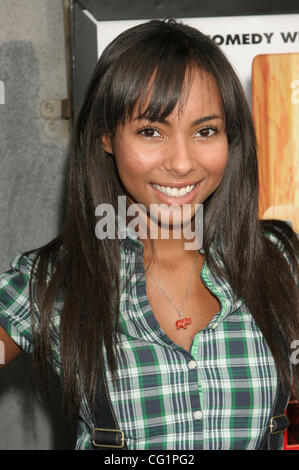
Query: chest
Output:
(200,306)
(226,388)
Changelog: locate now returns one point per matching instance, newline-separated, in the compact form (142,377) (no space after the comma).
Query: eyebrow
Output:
(206,118)
(194,123)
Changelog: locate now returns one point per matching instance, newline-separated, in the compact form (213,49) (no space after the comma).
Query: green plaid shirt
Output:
(217,395)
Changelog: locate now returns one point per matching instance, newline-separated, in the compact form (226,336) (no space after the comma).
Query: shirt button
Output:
(192,364)
(197,414)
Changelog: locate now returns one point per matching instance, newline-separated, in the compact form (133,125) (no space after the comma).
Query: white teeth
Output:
(175,191)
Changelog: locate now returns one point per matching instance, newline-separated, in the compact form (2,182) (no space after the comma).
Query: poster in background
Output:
(264,51)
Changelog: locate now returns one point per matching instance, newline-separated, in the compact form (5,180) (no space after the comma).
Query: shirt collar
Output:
(129,239)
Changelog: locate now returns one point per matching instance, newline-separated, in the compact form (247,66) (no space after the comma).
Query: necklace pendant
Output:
(183,323)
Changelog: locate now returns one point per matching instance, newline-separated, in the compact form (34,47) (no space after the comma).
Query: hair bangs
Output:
(152,86)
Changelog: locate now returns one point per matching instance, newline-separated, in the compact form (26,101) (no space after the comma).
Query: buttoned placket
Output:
(193,366)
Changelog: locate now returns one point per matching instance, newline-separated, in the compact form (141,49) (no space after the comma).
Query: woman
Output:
(194,343)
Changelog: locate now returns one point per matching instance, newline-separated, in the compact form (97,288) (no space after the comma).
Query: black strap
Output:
(106,433)
(278,423)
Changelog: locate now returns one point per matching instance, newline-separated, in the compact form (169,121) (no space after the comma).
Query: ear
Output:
(106,142)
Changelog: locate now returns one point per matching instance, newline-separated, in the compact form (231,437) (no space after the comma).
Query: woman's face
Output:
(177,161)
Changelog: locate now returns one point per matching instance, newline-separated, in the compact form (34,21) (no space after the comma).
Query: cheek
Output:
(217,161)
(133,163)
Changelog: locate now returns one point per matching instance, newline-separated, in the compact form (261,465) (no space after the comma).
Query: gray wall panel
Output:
(33,69)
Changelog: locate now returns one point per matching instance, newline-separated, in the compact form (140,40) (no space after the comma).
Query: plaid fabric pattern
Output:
(218,395)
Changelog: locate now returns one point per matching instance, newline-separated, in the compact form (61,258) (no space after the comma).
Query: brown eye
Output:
(207,132)
(149,132)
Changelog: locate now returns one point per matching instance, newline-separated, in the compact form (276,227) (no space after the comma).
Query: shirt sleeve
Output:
(15,317)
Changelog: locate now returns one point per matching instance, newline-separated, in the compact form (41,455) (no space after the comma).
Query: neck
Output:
(169,250)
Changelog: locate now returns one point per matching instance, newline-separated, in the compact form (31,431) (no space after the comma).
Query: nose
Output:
(179,159)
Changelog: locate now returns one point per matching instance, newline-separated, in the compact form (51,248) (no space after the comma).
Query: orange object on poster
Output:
(275,106)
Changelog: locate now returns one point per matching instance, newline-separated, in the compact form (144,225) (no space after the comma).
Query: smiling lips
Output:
(178,194)
(175,191)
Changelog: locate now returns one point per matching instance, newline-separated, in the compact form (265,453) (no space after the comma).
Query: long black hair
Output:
(156,55)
